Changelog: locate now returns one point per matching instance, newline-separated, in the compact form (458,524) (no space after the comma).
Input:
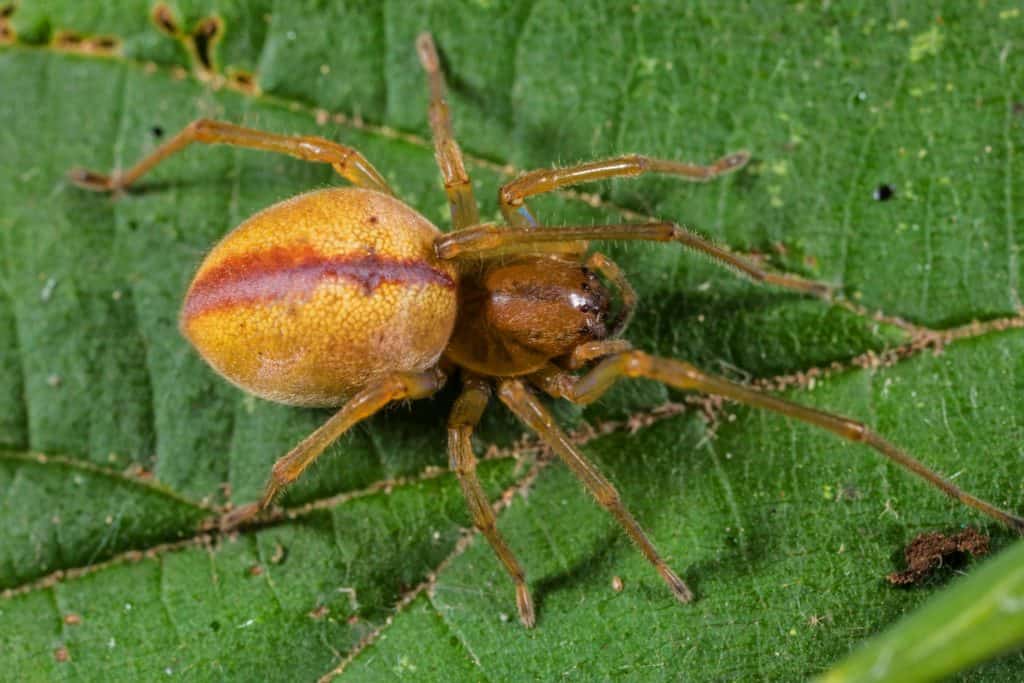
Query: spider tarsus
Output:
(732,162)
(427,52)
(233,519)
(90,180)
(525,604)
(678,586)
(824,291)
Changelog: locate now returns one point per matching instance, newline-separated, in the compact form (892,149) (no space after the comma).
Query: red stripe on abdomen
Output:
(277,273)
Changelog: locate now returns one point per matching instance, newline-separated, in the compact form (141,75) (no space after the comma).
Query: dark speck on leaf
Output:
(929,551)
(884,192)
(157,131)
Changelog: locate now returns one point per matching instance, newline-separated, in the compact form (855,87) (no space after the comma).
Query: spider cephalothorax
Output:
(515,316)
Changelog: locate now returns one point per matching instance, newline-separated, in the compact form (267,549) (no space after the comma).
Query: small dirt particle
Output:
(884,192)
(617,584)
(61,654)
(72,619)
(244,81)
(930,551)
(164,19)
(279,554)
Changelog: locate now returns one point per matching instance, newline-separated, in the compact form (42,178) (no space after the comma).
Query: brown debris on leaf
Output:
(930,551)
(6,32)
(71,41)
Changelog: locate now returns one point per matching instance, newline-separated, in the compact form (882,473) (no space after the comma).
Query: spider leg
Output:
(449,157)
(464,417)
(512,195)
(592,350)
(680,375)
(528,409)
(553,379)
(394,387)
(488,240)
(347,161)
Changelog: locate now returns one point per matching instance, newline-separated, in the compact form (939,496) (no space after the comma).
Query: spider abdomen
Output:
(315,297)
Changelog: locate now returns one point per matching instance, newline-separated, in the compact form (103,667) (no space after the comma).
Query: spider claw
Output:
(525,604)
(237,516)
(676,585)
(1015,523)
(824,291)
(91,180)
(427,52)
(732,162)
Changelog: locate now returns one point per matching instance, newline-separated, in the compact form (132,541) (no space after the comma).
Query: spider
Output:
(348,297)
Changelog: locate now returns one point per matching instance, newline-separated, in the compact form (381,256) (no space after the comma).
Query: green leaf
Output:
(974,620)
(785,534)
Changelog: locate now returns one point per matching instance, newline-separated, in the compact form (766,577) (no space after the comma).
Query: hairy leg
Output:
(512,195)
(487,240)
(680,375)
(528,409)
(449,157)
(590,351)
(347,161)
(287,469)
(465,415)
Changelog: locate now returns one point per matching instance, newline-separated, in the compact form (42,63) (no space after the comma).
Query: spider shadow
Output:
(494,105)
(598,564)
(730,329)
(721,558)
